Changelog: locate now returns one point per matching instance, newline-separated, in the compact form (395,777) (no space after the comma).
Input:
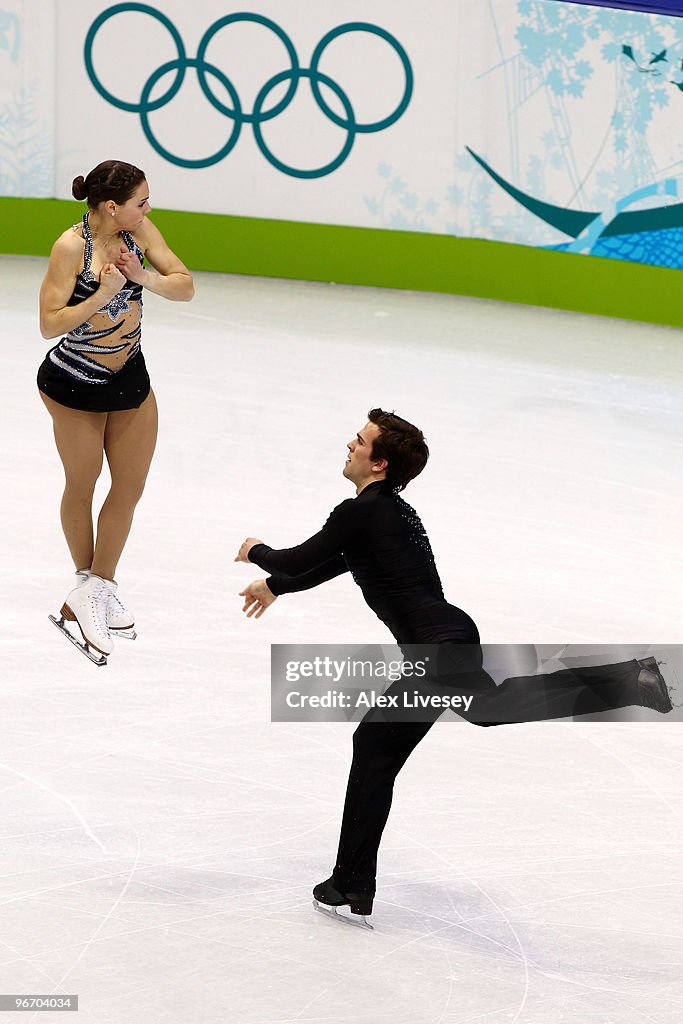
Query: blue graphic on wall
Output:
(561,71)
(261,112)
(649,70)
(654,235)
(25,155)
(650,6)
(10,33)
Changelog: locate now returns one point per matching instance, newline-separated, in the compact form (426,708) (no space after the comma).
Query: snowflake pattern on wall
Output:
(26,158)
(559,47)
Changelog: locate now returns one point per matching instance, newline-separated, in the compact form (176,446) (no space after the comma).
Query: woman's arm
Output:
(56,317)
(172,281)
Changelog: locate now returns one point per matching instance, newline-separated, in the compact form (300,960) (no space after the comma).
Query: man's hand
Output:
(247,545)
(257,597)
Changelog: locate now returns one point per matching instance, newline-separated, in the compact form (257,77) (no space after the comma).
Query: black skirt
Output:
(126,388)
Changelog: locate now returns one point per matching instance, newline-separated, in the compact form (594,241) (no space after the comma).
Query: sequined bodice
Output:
(114,330)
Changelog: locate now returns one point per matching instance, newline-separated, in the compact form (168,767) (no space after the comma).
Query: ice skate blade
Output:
(94,656)
(357,920)
(126,634)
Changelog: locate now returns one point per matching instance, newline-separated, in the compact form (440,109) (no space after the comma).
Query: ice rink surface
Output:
(160,836)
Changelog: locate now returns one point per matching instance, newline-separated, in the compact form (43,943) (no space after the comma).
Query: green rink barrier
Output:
(379,258)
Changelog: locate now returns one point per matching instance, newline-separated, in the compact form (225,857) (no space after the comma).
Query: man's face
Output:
(358,466)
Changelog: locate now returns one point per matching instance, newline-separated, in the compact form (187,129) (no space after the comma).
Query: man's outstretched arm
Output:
(325,546)
(260,594)
(307,565)
(321,574)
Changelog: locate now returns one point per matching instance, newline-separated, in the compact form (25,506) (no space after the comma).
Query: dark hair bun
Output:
(78,190)
(112,179)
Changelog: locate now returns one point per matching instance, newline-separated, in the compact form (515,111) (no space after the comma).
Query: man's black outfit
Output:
(379,539)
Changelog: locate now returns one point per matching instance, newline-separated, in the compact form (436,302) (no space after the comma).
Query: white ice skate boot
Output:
(120,619)
(86,605)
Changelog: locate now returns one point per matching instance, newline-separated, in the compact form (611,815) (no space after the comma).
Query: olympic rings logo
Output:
(261,113)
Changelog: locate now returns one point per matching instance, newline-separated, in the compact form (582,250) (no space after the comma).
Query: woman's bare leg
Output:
(129,442)
(79,436)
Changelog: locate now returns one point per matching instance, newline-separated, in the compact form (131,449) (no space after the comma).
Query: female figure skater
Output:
(95,385)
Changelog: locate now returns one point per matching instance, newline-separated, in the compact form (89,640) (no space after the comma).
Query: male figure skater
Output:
(379,538)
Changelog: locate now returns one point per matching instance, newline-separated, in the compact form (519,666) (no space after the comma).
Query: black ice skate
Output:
(328,900)
(652,688)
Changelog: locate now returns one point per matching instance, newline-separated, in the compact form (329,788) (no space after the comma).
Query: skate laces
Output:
(99,599)
(112,597)
(115,600)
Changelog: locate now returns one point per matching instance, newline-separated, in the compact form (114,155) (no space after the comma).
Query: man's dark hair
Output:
(401,444)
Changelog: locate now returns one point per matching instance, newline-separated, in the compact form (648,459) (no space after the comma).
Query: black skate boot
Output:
(327,899)
(652,688)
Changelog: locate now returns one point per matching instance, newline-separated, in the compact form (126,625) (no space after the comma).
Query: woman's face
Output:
(130,215)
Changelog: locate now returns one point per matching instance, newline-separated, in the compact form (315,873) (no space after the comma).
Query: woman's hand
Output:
(243,553)
(111,282)
(129,265)
(257,597)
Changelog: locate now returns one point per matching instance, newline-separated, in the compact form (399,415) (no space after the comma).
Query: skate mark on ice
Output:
(581,895)
(30,960)
(635,772)
(60,984)
(59,796)
(197,769)
(522,952)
